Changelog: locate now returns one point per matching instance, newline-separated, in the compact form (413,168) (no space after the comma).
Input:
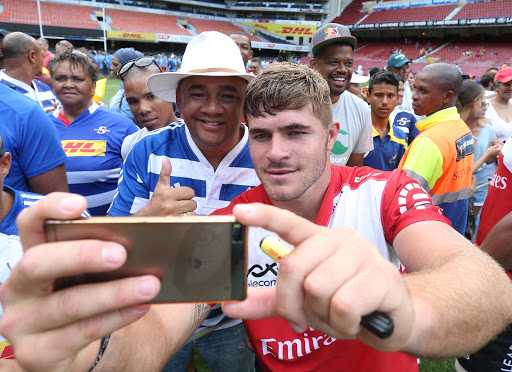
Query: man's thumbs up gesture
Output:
(167,201)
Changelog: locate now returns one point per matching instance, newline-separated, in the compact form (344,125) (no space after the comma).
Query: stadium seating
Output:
(202,25)
(52,14)
(501,8)
(145,22)
(410,14)
(496,53)
(351,14)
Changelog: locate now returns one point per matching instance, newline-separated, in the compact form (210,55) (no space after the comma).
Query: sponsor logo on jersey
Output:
(296,348)
(403,121)
(102,130)
(84,148)
(465,146)
(256,272)
(499,182)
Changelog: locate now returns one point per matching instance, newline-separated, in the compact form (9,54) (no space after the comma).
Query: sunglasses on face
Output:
(139,62)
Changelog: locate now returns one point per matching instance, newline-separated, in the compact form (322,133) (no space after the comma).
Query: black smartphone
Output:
(197,258)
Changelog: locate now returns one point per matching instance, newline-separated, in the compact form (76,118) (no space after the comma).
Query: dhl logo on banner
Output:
(285,29)
(84,148)
(129,35)
(6,350)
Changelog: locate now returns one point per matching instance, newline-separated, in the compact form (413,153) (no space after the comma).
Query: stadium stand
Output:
(466,55)
(145,22)
(410,14)
(202,25)
(351,14)
(381,50)
(501,8)
(52,14)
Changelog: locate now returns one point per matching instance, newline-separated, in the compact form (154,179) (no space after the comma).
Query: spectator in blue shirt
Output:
(389,142)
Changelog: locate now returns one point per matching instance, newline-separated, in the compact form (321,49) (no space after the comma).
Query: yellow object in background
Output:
(100,90)
(45,71)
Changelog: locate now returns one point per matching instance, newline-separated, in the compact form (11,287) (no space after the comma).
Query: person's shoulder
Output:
(357,176)
(399,133)
(160,138)
(42,86)
(18,103)
(255,195)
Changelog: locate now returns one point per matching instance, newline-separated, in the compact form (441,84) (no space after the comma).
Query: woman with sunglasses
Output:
(118,102)
(90,135)
(472,106)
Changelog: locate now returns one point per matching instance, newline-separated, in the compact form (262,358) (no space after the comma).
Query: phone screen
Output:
(197,259)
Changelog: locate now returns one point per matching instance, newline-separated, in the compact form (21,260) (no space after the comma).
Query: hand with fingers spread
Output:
(59,331)
(327,283)
(167,200)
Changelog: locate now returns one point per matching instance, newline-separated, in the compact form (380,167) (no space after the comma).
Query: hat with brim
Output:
(504,75)
(332,33)
(397,60)
(358,79)
(208,54)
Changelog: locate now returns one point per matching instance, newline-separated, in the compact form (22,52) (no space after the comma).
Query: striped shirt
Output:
(214,189)
(39,92)
(93,143)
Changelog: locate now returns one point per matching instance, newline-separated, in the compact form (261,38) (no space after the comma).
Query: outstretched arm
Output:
(70,322)
(330,289)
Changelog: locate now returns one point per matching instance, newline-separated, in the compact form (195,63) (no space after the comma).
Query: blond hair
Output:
(287,86)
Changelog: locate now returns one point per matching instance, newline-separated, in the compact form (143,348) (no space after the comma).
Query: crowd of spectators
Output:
(397,169)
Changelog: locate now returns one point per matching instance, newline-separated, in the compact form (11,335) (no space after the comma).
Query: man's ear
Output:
(448,96)
(332,132)
(313,64)
(5,164)
(31,56)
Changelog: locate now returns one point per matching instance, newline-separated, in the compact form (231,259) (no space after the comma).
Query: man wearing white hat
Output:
(198,164)
(355,85)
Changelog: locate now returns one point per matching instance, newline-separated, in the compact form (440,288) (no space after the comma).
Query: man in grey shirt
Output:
(333,50)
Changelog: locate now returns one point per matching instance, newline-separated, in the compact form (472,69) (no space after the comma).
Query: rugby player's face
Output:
(290,152)
(72,84)
(336,63)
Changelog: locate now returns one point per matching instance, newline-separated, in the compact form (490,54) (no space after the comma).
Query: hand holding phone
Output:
(197,258)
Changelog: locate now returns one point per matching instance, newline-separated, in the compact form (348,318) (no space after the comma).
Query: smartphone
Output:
(196,258)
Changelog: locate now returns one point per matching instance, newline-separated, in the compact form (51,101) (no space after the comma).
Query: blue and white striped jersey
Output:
(39,92)
(93,143)
(214,189)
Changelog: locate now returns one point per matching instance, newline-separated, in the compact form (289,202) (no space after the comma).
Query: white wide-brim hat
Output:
(208,54)
(358,79)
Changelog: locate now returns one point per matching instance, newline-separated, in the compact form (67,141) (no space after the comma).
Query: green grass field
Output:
(446,365)
(425,366)
(110,89)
